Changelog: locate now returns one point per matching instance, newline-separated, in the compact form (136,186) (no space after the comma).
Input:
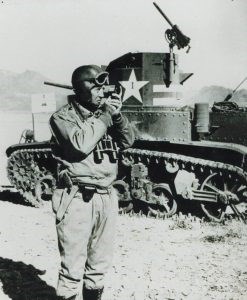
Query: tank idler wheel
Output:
(44,188)
(214,211)
(166,204)
(225,189)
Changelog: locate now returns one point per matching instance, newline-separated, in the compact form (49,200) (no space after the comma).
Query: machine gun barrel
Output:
(64,86)
(163,14)
(229,96)
(174,36)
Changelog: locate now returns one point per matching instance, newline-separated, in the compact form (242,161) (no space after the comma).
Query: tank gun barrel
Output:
(64,86)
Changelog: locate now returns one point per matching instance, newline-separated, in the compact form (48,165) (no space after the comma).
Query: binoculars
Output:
(109,90)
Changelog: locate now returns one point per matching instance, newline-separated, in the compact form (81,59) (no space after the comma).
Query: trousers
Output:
(85,240)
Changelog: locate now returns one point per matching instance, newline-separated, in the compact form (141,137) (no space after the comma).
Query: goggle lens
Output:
(102,79)
(98,81)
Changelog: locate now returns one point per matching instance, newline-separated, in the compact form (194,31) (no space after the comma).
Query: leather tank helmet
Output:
(89,73)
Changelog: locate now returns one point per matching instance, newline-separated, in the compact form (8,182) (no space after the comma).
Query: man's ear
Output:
(87,85)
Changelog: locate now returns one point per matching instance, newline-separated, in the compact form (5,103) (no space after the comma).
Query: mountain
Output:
(16,89)
(213,94)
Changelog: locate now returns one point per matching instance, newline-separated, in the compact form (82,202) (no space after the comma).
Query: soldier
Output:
(86,136)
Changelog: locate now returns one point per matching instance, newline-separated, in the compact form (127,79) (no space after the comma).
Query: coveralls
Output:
(86,144)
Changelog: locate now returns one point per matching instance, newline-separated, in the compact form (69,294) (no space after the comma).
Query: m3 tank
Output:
(184,158)
(182,155)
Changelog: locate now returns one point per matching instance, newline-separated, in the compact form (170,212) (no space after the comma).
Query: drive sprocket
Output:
(24,173)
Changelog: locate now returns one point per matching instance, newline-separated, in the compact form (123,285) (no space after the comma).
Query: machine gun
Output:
(229,96)
(174,36)
(227,105)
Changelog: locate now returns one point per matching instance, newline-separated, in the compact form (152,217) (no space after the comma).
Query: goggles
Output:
(100,79)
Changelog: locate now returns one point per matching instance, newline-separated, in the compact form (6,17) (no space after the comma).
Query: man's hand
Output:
(113,104)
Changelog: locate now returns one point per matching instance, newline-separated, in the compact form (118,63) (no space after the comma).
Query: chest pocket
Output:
(106,146)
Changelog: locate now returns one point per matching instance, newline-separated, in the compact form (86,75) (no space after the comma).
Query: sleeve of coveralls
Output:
(79,140)
(122,131)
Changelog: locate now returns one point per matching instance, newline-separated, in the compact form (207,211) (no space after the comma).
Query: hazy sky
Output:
(54,37)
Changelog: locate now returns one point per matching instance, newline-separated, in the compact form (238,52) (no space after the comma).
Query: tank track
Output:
(179,220)
(24,172)
(202,168)
(184,162)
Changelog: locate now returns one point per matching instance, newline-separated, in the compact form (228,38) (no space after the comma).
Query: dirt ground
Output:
(154,259)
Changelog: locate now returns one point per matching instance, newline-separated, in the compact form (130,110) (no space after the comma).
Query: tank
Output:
(192,157)
(183,159)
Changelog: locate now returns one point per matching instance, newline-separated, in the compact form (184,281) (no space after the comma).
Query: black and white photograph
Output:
(123,155)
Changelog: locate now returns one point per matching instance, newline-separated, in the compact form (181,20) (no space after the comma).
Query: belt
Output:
(88,191)
(91,188)
(66,181)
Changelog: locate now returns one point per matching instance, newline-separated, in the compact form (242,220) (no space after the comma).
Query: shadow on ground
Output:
(22,282)
(13,197)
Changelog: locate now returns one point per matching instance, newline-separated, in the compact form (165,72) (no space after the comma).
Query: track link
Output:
(202,169)
(26,167)
(187,163)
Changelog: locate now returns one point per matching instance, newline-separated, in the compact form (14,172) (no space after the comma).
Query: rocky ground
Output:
(154,259)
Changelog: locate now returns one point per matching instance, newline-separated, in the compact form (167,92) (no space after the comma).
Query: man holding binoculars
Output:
(86,136)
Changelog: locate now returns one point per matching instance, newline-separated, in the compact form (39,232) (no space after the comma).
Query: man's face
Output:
(89,86)
(90,95)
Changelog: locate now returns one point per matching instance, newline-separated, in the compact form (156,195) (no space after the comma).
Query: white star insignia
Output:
(132,87)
